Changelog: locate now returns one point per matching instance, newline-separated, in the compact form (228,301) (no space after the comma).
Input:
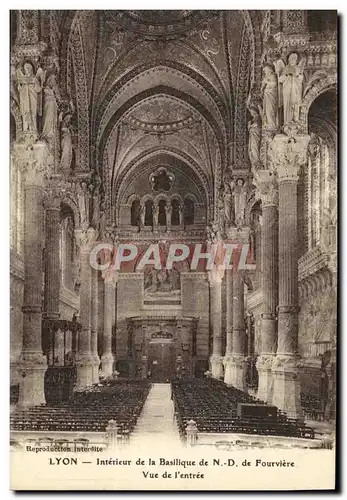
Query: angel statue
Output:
(254,136)
(269,90)
(29,88)
(291,79)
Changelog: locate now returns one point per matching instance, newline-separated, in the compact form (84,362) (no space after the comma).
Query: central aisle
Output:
(156,423)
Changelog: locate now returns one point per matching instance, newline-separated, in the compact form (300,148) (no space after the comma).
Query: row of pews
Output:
(88,411)
(215,408)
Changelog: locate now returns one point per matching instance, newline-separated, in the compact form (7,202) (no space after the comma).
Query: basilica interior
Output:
(185,127)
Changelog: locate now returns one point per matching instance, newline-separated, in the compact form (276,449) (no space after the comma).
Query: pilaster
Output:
(215,281)
(266,185)
(107,358)
(85,361)
(288,154)
(34,160)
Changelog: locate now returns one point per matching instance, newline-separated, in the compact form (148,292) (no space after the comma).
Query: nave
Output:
(139,414)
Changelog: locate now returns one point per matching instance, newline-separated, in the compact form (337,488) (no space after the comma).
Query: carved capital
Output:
(265,362)
(55,191)
(215,276)
(288,153)
(266,187)
(34,160)
(283,362)
(239,234)
(238,361)
(85,238)
(110,276)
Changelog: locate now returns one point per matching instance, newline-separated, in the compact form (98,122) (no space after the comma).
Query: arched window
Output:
(149,213)
(135,213)
(162,213)
(188,211)
(175,214)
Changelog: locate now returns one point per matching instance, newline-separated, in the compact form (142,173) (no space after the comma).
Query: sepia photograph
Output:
(173,249)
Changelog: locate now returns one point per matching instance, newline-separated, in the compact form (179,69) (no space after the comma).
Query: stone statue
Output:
(221,209)
(181,214)
(175,279)
(96,208)
(269,89)
(213,234)
(155,215)
(254,136)
(29,88)
(50,107)
(291,78)
(83,203)
(142,214)
(240,202)
(151,280)
(102,217)
(66,143)
(228,204)
(168,211)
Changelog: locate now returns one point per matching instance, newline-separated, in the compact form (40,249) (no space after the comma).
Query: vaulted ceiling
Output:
(147,81)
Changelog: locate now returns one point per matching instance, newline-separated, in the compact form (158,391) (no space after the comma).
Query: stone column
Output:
(52,257)
(267,191)
(107,358)
(288,153)
(33,159)
(227,362)
(94,325)
(216,360)
(85,361)
(237,362)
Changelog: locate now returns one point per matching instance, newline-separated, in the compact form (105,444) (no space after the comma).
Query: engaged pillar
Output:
(85,361)
(107,358)
(238,363)
(288,153)
(33,159)
(52,257)
(227,362)
(216,359)
(94,325)
(266,184)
